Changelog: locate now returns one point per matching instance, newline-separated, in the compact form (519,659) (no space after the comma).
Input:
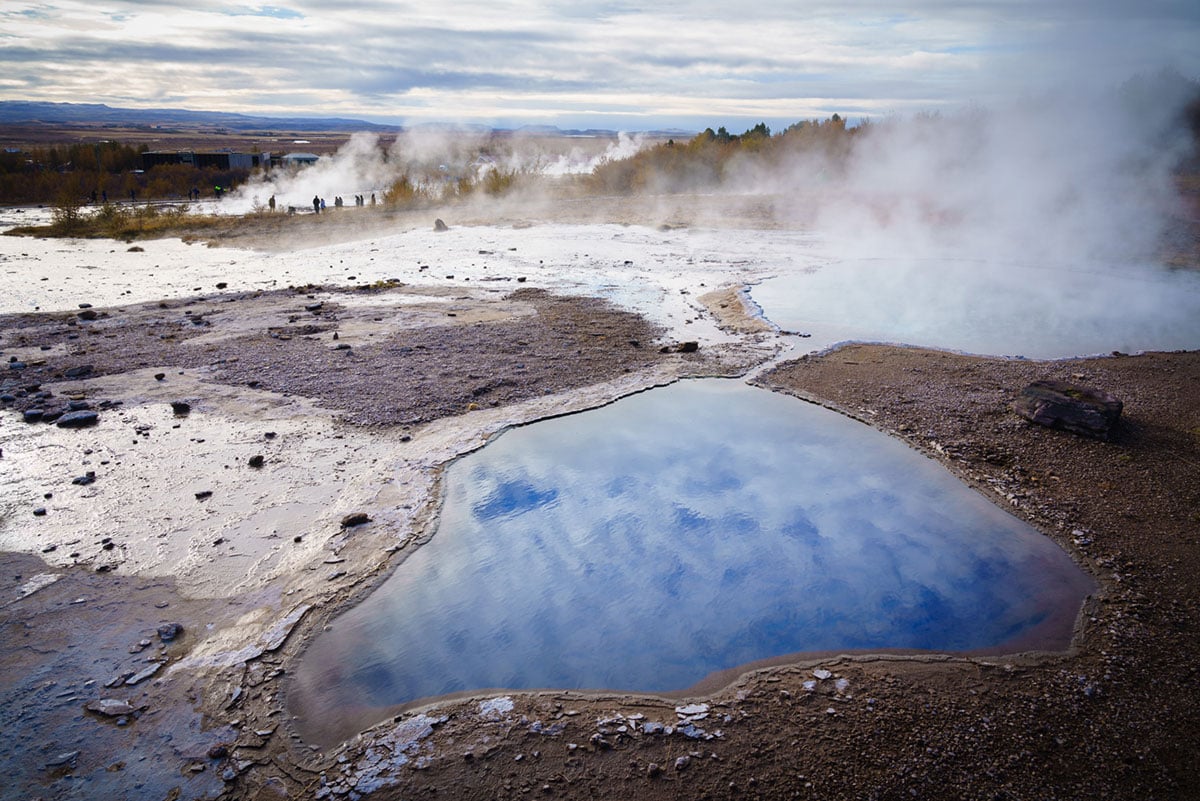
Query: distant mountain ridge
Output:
(30,112)
(33,112)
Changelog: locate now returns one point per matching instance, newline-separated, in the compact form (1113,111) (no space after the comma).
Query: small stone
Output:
(203,495)
(221,285)
(110,707)
(66,758)
(87,314)
(39,511)
(218,751)
(257,460)
(653,769)
(181,408)
(440,226)
(159,376)
(80,419)
(688,347)
(32,415)
(314,307)
(169,631)
(822,673)
(682,762)
(355,519)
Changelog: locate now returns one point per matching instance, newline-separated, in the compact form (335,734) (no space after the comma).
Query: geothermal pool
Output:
(989,307)
(675,534)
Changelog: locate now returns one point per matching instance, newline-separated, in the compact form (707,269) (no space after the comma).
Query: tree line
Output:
(710,158)
(79,172)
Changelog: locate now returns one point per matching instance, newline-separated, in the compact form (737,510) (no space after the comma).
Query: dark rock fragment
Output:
(1071,407)
(169,631)
(79,419)
(355,519)
(88,314)
(257,460)
(181,408)
(79,371)
(440,226)
(32,415)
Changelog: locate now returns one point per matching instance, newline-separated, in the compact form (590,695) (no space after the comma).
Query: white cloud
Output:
(560,62)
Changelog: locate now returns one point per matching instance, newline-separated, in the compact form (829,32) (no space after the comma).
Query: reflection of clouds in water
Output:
(682,531)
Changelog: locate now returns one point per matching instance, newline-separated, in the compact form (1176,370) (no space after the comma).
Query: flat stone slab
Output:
(1071,407)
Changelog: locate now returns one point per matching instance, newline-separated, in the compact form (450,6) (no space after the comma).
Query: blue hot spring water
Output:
(678,533)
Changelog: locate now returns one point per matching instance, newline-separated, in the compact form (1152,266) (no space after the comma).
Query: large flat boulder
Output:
(1070,407)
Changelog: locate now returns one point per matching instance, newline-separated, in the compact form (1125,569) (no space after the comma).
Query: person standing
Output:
(316,205)
(271,203)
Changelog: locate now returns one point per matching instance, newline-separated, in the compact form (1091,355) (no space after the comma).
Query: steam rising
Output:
(1058,179)
(434,158)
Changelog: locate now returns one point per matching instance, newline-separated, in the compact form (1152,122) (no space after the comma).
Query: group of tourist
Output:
(318,202)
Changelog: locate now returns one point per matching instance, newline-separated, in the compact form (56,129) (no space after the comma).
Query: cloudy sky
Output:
(602,63)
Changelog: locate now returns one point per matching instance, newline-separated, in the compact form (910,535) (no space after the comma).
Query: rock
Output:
(314,307)
(440,226)
(144,674)
(1070,407)
(682,762)
(39,511)
(79,371)
(822,674)
(691,710)
(257,460)
(85,479)
(688,347)
(32,415)
(80,419)
(218,751)
(653,769)
(159,376)
(203,495)
(221,285)
(65,758)
(87,314)
(181,408)
(78,406)
(355,519)
(169,631)
(110,707)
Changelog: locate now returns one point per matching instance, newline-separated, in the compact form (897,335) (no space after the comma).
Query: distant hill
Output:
(23,112)
(28,112)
